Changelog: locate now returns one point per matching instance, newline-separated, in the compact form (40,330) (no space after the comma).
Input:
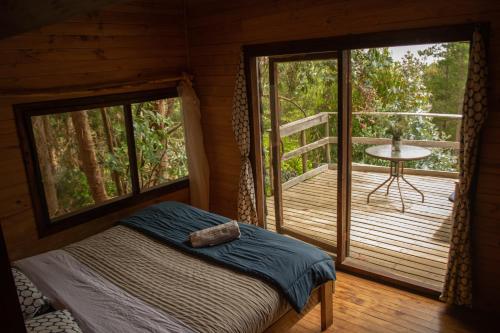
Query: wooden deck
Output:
(412,245)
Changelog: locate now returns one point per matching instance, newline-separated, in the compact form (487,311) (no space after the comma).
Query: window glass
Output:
(159,140)
(82,157)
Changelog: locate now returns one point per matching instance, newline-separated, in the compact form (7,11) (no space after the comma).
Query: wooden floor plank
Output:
(413,245)
(361,305)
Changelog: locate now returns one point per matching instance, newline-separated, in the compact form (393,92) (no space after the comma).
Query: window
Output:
(90,156)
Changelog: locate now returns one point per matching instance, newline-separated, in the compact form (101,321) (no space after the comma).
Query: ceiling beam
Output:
(19,16)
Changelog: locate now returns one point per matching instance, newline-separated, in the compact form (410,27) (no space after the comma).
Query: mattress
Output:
(123,281)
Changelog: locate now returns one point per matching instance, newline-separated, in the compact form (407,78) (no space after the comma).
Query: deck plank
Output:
(413,245)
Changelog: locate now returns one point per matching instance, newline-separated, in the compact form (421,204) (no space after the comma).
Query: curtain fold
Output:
(247,211)
(197,159)
(458,283)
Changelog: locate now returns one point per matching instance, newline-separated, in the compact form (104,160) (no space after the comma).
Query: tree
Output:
(445,80)
(45,162)
(165,109)
(111,144)
(86,148)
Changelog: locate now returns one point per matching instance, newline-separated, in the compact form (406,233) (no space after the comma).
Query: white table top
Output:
(407,153)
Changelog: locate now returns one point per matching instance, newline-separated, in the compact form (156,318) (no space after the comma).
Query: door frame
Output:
(340,44)
(275,145)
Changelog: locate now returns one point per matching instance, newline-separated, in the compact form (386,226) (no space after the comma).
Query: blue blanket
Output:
(294,267)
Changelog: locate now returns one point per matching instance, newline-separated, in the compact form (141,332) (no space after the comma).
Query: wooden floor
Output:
(412,246)
(361,305)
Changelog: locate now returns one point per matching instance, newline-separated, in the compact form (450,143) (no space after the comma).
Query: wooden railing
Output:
(322,119)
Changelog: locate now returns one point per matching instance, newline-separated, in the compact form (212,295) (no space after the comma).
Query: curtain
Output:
(458,283)
(247,211)
(197,159)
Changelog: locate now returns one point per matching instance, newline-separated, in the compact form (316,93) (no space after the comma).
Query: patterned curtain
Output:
(247,211)
(458,283)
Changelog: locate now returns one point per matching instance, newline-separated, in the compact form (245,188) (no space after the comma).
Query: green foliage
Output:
(445,78)
(396,127)
(305,88)
(160,144)
(70,195)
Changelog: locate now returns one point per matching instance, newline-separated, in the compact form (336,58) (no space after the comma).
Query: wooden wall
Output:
(217,29)
(126,42)
(146,38)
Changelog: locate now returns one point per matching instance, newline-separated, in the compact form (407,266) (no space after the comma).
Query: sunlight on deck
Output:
(412,245)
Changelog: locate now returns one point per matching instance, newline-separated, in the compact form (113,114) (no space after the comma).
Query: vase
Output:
(396,144)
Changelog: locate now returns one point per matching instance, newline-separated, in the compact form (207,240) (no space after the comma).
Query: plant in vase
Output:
(396,129)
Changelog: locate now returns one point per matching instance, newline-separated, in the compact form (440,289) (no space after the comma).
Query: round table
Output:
(397,159)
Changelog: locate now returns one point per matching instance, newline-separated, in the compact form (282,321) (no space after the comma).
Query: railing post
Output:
(458,131)
(303,141)
(327,135)
(271,164)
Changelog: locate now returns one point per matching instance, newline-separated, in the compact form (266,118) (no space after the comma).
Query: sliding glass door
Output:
(301,146)
(359,146)
(406,115)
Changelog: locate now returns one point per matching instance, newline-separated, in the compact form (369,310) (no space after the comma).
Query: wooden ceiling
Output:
(18,16)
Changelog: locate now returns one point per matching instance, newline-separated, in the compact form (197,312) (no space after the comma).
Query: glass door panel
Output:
(300,140)
(406,106)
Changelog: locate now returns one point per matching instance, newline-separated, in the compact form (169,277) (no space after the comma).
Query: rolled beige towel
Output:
(215,235)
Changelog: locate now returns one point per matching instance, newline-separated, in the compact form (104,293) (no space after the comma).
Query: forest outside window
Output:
(87,157)
(81,158)
(159,140)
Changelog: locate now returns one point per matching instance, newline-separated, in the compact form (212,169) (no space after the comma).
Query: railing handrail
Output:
(303,124)
(322,117)
(410,114)
(368,141)
(299,126)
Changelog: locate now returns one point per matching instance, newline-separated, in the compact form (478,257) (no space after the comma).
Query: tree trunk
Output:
(44,161)
(165,107)
(69,150)
(108,132)
(50,140)
(86,148)
(165,112)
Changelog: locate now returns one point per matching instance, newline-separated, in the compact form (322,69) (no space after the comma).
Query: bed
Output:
(126,279)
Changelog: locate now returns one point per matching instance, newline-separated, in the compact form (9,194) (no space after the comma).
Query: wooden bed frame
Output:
(324,295)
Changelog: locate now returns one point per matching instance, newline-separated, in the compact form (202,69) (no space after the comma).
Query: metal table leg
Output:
(375,190)
(391,178)
(396,171)
(398,166)
(401,196)
(412,186)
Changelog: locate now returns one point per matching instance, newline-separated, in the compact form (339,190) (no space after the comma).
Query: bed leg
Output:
(326,294)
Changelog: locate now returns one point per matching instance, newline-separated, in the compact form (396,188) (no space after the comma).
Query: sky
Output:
(398,52)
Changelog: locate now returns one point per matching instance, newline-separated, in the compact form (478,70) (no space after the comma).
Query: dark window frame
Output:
(23,113)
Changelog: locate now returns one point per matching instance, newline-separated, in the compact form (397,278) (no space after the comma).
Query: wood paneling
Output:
(22,15)
(217,29)
(146,38)
(121,43)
